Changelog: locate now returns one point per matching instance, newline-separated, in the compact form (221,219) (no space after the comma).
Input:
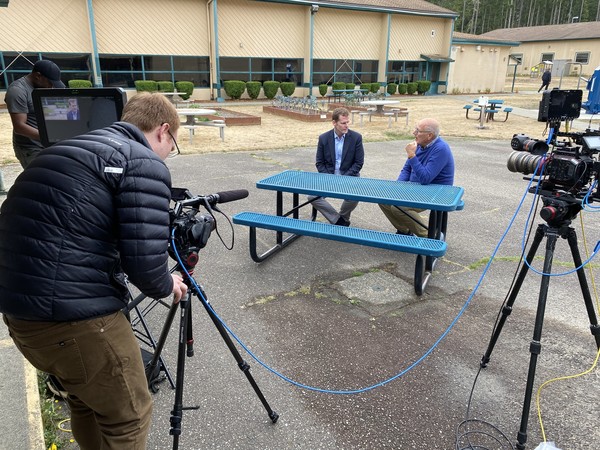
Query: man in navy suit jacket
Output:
(339,151)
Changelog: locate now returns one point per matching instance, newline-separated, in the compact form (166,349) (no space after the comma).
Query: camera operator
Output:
(26,138)
(83,214)
(430,161)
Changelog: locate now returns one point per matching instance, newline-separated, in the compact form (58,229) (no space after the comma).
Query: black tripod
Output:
(185,348)
(557,227)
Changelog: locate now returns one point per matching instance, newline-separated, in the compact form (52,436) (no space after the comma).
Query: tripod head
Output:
(560,208)
(189,231)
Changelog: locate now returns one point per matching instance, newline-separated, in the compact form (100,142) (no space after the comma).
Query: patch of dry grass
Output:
(277,132)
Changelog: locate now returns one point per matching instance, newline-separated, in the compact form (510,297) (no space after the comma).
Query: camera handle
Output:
(551,233)
(185,348)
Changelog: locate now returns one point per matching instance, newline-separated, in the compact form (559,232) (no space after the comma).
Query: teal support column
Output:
(217,65)
(95,57)
(311,66)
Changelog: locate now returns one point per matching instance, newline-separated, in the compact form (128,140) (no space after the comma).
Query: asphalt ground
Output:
(342,317)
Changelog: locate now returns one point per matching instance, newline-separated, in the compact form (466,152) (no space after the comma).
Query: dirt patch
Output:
(235,118)
(304,116)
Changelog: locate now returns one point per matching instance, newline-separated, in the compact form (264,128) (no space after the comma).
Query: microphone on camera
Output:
(213,199)
(227,196)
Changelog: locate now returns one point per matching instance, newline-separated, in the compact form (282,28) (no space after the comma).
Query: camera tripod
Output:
(552,231)
(186,348)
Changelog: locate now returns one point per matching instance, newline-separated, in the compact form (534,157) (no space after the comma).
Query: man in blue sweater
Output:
(430,161)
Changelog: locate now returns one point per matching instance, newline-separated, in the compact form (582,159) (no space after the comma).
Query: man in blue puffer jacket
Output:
(83,214)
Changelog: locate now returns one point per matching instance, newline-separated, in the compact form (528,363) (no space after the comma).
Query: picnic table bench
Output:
(439,199)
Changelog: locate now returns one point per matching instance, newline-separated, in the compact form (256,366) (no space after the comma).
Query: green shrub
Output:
(287,88)
(411,88)
(165,86)
(323,89)
(366,86)
(78,84)
(423,86)
(253,89)
(234,88)
(350,85)
(402,88)
(270,89)
(186,87)
(375,87)
(146,86)
(391,88)
(338,86)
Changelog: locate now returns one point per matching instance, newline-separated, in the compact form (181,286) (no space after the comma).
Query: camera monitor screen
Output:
(64,113)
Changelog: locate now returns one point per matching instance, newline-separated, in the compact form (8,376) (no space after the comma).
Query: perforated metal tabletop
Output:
(433,196)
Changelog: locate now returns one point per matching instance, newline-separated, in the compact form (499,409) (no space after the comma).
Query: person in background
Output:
(339,151)
(546,78)
(88,214)
(26,138)
(430,161)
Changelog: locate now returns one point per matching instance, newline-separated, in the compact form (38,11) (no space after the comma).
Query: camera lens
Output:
(522,162)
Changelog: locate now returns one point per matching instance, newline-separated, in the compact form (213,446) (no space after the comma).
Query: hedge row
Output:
(420,87)
(186,88)
(235,88)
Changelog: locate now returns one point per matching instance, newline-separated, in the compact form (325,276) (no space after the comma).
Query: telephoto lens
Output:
(523,162)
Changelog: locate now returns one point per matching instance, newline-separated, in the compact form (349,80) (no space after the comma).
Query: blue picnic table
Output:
(439,199)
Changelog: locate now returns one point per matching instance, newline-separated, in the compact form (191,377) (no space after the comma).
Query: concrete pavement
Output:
(315,313)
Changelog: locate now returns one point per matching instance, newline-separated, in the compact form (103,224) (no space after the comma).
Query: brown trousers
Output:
(98,361)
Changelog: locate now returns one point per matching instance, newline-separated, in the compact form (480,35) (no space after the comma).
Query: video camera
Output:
(189,231)
(564,167)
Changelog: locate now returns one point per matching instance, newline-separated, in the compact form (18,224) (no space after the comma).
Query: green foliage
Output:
(391,88)
(350,85)
(78,84)
(287,88)
(423,86)
(402,88)
(375,87)
(146,86)
(411,88)
(184,86)
(234,88)
(165,86)
(270,89)
(338,86)
(366,86)
(253,89)
(323,89)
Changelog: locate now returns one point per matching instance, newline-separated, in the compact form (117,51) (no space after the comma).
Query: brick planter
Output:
(234,118)
(297,115)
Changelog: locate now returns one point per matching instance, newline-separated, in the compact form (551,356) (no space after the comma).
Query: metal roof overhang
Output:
(436,58)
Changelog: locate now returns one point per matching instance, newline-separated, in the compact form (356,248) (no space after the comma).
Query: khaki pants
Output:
(402,220)
(99,363)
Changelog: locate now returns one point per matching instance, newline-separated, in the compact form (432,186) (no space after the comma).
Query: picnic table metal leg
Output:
(424,265)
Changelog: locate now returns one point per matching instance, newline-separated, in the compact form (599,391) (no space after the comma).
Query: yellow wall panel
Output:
(248,28)
(31,25)
(411,37)
(347,34)
(152,27)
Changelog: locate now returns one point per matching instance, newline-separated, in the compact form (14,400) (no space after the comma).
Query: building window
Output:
(327,71)
(582,57)
(547,57)
(124,70)
(516,58)
(262,69)
(72,65)
(405,71)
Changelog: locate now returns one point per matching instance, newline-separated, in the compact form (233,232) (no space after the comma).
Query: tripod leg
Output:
(535,347)
(587,298)
(507,309)
(243,365)
(161,343)
(177,412)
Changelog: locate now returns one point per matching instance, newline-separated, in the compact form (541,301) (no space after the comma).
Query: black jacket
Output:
(86,211)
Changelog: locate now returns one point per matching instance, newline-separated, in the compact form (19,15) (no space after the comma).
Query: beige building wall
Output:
(31,25)
(248,28)
(532,54)
(477,69)
(152,27)
(347,34)
(413,36)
